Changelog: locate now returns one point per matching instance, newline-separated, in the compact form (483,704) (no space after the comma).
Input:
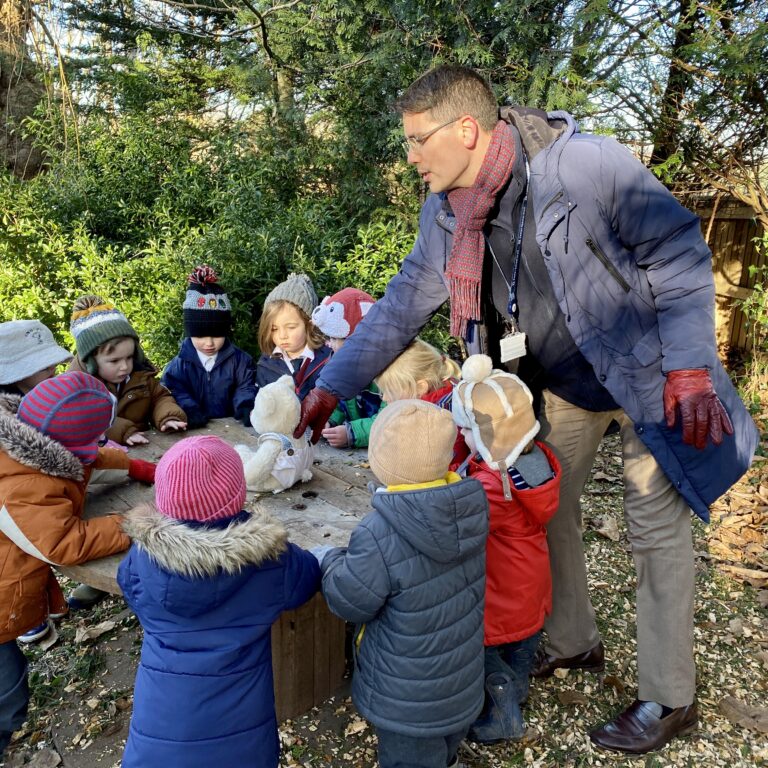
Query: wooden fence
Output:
(731,237)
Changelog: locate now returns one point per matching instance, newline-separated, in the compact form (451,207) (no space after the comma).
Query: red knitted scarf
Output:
(471,207)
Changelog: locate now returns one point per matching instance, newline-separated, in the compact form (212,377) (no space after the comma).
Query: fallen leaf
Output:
(736,626)
(613,682)
(50,639)
(89,633)
(739,713)
(566,698)
(609,528)
(356,726)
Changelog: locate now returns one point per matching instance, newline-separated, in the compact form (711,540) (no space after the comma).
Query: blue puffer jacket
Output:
(270,368)
(633,277)
(413,577)
(206,598)
(228,389)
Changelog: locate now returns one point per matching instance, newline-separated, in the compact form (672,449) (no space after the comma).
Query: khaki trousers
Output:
(659,530)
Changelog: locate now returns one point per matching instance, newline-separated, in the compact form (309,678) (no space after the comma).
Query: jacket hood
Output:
(33,449)
(199,553)
(445,523)
(202,551)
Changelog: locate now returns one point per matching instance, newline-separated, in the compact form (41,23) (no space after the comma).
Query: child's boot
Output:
(83,597)
(519,658)
(502,719)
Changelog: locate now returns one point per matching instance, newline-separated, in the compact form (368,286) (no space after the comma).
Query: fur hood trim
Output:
(33,449)
(201,551)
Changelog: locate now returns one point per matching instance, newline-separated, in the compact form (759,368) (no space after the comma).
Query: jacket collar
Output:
(201,551)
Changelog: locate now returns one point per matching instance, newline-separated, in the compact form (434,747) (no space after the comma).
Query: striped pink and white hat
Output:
(200,479)
(74,408)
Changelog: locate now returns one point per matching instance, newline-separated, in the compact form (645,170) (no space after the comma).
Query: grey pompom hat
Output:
(27,347)
(296,288)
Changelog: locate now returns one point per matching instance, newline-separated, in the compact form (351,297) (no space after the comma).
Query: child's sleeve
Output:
(302,576)
(356,580)
(179,385)
(245,388)
(164,407)
(46,527)
(121,430)
(361,431)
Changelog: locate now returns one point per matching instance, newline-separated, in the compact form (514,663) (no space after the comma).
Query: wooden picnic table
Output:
(308,643)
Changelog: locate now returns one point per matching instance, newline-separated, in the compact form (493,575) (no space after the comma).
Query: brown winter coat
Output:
(42,491)
(142,401)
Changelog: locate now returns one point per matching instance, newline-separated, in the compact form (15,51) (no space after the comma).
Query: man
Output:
(536,228)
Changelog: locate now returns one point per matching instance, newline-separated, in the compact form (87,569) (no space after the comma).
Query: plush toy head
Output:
(338,315)
(276,408)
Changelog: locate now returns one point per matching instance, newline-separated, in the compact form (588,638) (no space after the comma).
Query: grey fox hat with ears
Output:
(497,407)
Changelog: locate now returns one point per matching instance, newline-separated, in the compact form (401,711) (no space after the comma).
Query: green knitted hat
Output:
(95,325)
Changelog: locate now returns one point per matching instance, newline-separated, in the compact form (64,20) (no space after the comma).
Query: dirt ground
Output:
(82,685)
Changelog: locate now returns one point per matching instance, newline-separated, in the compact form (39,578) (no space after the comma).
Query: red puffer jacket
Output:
(518,584)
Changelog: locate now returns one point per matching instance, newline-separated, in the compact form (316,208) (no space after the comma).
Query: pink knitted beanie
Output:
(200,479)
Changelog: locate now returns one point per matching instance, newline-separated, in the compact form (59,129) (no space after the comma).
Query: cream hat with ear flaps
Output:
(497,407)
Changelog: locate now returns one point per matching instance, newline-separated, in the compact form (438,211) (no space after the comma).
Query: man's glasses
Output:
(416,142)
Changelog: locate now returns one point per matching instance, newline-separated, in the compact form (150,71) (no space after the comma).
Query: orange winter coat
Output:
(142,401)
(42,492)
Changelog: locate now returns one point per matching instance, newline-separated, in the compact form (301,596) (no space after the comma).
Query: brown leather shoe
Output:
(640,728)
(592,660)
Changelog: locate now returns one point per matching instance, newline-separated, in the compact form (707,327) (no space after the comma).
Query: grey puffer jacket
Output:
(632,275)
(413,578)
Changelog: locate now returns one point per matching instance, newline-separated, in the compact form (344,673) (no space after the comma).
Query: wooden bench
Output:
(307,644)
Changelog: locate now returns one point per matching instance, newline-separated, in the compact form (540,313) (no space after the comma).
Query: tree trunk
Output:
(666,136)
(20,90)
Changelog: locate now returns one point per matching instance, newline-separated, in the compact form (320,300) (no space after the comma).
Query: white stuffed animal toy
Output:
(280,460)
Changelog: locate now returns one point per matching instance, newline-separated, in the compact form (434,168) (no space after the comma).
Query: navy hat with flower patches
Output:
(207,311)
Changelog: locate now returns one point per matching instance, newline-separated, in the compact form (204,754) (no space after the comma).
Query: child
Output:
(422,371)
(28,355)
(48,448)
(108,348)
(210,378)
(289,341)
(207,580)
(413,578)
(337,317)
(522,481)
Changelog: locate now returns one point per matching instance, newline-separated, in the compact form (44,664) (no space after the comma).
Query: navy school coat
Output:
(207,598)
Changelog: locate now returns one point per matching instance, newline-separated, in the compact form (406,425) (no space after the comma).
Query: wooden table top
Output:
(321,511)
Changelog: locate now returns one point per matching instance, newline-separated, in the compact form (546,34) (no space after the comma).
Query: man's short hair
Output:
(450,91)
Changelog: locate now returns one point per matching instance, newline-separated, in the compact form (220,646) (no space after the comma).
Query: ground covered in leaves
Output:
(82,684)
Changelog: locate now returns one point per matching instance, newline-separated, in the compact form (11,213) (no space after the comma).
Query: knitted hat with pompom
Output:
(207,311)
(497,407)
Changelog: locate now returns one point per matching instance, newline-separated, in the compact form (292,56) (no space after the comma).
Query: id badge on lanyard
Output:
(512,344)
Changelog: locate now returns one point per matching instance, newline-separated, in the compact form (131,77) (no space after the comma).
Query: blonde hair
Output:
(419,361)
(315,339)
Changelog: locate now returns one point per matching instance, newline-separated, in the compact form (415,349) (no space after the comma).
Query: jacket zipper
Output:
(617,276)
(553,200)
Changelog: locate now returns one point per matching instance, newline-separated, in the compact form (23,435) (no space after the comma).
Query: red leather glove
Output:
(701,412)
(316,407)
(143,471)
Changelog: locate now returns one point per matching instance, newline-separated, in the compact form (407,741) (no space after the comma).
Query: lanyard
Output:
(512,284)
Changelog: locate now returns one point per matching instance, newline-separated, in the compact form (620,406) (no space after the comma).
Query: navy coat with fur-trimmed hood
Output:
(631,274)
(207,597)
(413,579)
